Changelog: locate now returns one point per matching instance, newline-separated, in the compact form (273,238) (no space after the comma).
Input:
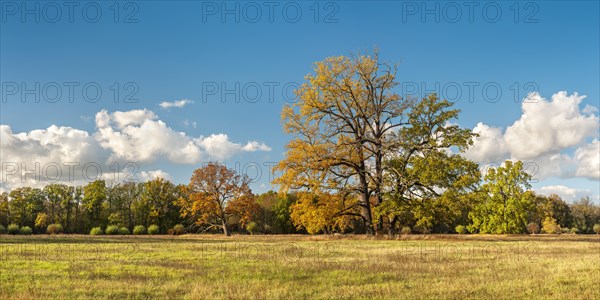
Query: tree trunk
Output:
(365,212)
(225,230)
(391,229)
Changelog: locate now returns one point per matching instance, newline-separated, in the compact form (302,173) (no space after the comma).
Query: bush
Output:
(54,229)
(178,229)
(139,229)
(25,230)
(597,228)
(574,230)
(565,230)
(124,231)
(112,230)
(251,227)
(405,230)
(533,228)
(96,231)
(2,229)
(153,229)
(460,229)
(13,229)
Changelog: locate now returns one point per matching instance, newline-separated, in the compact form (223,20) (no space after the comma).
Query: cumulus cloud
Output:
(138,136)
(178,103)
(588,160)
(542,135)
(219,146)
(150,175)
(488,146)
(549,126)
(566,193)
(70,155)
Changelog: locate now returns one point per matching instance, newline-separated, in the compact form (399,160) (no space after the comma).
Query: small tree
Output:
(597,228)
(533,228)
(550,226)
(251,227)
(217,193)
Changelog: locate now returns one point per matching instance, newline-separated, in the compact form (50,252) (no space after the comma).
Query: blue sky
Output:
(174,49)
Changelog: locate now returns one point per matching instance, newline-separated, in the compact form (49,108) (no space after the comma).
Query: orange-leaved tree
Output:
(216,194)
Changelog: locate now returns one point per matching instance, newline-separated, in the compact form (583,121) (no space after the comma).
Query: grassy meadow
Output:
(299,267)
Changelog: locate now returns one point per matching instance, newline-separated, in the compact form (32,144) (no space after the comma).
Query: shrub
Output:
(178,229)
(251,227)
(124,231)
(13,229)
(54,229)
(153,229)
(574,230)
(25,230)
(2,229)
(460,229)
(171,231)
(112,230)
(549,226)
(597,228)
(96,231)
(533,228)
(405,230)
(139,229)
(565,230)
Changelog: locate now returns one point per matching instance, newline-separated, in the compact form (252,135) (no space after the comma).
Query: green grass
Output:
(299,267)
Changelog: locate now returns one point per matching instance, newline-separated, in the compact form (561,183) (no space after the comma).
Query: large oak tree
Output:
(345,126)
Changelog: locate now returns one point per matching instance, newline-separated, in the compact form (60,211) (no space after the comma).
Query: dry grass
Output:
(300,267)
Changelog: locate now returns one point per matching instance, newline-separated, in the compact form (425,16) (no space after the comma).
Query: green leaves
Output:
(504,201)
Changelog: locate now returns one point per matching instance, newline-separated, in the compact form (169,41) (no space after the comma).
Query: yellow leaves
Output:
(321,212)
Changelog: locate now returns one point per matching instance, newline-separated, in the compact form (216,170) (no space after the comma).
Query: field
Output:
(299,267)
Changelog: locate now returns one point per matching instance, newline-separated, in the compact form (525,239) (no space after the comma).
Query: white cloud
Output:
(220,147)
(588,160)
(178,103)
(549,126)
(139,137)
(40,156)
(566,193)
(150,175)
(541,135)
(489,146)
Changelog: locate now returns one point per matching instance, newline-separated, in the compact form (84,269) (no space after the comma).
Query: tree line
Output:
(219,200)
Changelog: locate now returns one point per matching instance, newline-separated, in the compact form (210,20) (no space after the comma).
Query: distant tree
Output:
(505,201)
(24,205)
(585,214)
(552,206)
(162,196)
(4,210)
(550,226)
(281,210)
(216,193)
(94,196)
